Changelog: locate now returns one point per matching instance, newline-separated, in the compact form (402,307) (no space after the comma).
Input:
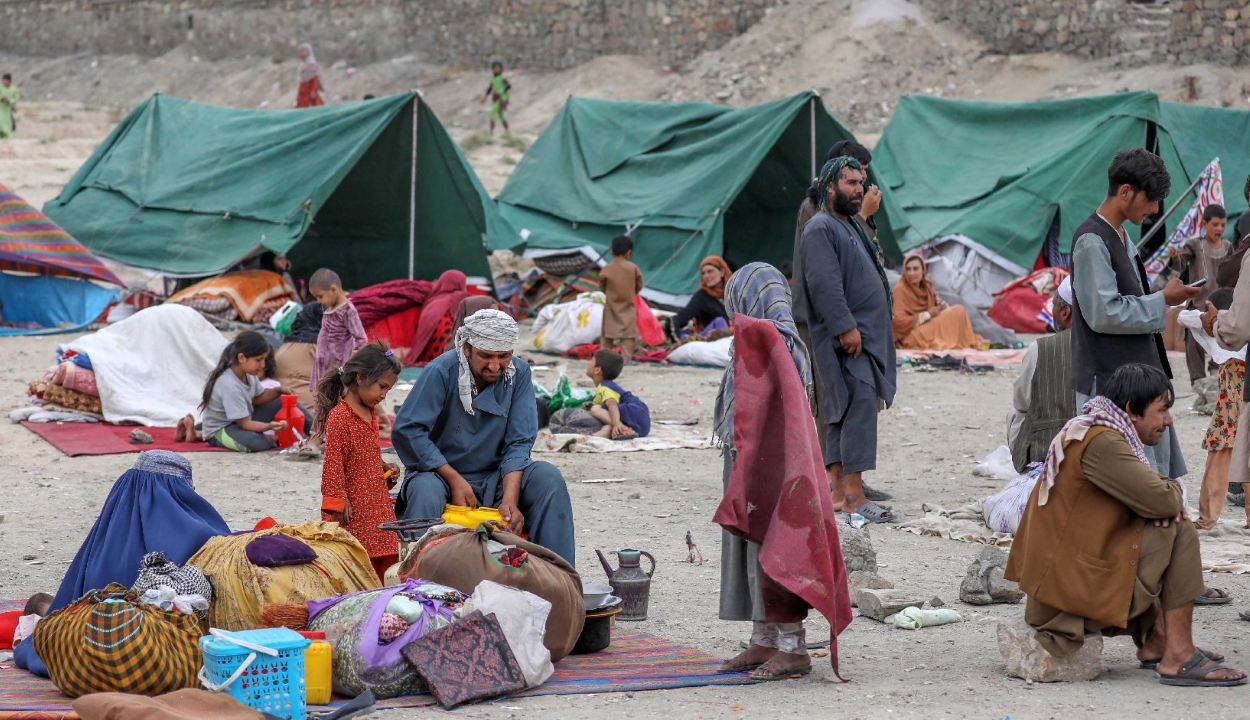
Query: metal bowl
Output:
(595,594)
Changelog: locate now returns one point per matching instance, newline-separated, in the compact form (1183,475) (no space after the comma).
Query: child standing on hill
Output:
(237,410)
(341,330)
(497,92)
(355,483)
(623,415)
(621,281)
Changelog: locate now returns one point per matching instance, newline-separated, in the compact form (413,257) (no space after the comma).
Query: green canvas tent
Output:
(189,189)
(690,179)
(1203,133)
(998,173)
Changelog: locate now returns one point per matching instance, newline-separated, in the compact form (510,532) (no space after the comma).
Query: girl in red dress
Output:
(355,483)
(309,94)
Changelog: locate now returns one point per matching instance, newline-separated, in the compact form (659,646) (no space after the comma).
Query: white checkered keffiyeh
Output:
(156,570)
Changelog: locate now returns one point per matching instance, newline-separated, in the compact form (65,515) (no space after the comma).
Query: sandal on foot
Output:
(780,673)
(626,436)
(1244,615)
(874,494)
(1154,664)
(727,668)
(1194,674)
(875,513)
(1218,598)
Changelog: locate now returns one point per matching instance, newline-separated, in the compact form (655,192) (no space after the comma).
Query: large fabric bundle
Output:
(463,560)
(356,623)
(561,327)
(250,296)
(241,589)
(151,367)
(108,642)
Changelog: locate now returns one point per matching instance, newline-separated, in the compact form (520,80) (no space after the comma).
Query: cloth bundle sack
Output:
(157,570)
(352,625)
(109,642)
(463,560)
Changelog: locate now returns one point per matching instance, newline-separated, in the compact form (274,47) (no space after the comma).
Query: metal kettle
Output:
(630,582)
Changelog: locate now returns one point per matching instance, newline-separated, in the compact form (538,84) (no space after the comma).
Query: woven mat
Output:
(635,662)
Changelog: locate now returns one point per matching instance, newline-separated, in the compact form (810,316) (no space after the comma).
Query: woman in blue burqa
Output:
(152,507)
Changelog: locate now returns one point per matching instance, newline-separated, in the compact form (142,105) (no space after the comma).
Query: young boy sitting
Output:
(623,415)
(620,281)
(341,330)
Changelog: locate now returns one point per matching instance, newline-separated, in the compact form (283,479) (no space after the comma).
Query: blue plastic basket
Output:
(263,669)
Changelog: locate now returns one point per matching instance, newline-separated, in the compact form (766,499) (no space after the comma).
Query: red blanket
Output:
(778,496)
(377,302)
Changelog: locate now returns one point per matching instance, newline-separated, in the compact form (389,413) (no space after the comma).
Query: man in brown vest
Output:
(1042,397)
(1105,544)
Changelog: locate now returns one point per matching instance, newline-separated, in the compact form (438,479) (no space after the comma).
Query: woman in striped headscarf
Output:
(780,553)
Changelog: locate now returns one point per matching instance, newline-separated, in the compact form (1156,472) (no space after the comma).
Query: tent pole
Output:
(812,121)
(412,198)
(1155,228)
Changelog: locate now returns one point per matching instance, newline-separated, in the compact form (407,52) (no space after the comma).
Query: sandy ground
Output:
(862,56)
(50,501)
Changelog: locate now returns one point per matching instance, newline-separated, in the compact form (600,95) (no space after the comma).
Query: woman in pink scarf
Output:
(309,79)
(438,313)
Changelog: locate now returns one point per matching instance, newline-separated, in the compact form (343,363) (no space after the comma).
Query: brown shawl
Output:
(911,300)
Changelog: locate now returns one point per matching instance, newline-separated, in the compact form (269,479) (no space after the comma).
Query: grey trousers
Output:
(852,441)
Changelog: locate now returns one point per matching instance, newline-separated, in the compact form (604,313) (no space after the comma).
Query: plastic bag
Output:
(564,396)
(285,317)
(523,617)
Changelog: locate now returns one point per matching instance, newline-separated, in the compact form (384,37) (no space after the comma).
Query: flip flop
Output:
(876,514)
(875,495)
(1220,598)
(1194,674)
(626,436)
(1244,616)
(782,674)
(1154,664)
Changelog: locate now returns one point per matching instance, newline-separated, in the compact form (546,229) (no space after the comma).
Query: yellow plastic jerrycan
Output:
(318,669)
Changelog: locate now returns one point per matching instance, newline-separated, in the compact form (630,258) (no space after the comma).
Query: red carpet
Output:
(78,439)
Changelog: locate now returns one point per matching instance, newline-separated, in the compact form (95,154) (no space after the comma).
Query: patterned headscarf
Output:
(1098,412)
(758,290)
(489,330)
(828,176)
(165,462)
(309,68)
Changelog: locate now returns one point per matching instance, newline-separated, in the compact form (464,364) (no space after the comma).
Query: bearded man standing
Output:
(465,434)
(845,298)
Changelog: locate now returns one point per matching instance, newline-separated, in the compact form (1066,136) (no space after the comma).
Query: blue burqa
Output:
(152,507)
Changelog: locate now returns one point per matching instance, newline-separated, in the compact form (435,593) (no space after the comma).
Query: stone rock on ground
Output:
(1027,659)
(865,580)
(985,584)
(880,604)
(857,550)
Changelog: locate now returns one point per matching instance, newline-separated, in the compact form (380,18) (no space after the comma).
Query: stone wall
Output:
(537,34)
(1184,31)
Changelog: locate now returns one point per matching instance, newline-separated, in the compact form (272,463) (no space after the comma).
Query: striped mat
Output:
(635,662)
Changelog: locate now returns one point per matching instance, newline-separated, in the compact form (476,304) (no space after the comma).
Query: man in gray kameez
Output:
(845,299)
(1115,321)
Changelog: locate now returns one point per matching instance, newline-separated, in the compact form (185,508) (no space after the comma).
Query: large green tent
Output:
(1203,133)
(690,180)
(998,173)
(189,189)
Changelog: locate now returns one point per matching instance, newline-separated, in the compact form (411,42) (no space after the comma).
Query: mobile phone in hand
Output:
(1199,283)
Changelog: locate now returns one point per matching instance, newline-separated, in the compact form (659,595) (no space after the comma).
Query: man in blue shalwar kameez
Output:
(465,434)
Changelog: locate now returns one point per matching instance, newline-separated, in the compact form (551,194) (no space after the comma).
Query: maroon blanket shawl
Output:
(378,302)
(778,495)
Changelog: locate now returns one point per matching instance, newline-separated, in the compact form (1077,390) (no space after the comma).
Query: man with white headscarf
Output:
(465,434)
(1043,399)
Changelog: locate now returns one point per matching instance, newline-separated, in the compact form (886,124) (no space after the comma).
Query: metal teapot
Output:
(630,582)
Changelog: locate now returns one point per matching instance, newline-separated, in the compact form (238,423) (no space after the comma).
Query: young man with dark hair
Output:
(1201,258)
(1115,322)
(1105,543)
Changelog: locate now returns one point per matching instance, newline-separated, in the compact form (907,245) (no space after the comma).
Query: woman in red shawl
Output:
(438,316)
(309,79)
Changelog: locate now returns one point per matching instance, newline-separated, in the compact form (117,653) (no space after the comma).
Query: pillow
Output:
(8,624)
(279,550)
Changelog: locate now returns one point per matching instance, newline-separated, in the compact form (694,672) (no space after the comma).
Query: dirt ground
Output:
(954,671)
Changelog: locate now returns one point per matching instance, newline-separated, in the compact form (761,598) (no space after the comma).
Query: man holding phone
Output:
(1115,322)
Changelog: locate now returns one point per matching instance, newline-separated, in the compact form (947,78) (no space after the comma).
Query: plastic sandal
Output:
(1154,664)
(875,513)
(1194,674)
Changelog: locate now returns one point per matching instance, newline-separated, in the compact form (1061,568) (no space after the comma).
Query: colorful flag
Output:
(1210,192)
